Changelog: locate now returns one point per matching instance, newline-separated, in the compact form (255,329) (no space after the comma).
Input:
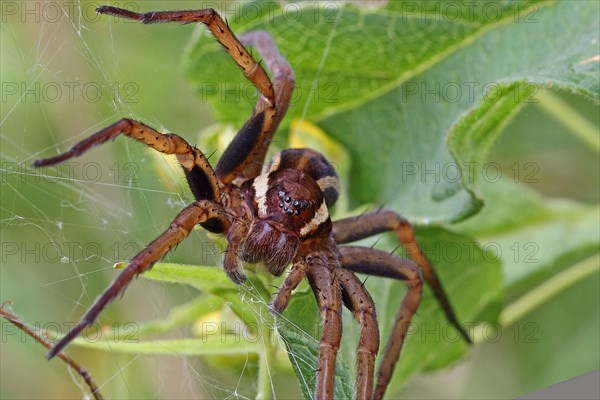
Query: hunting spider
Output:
(277,216)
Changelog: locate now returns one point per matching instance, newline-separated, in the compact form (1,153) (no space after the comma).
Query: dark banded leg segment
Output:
(282,76)
(355,228)
(200,174)
(359,302)
(251,69)
(328,294)
(180,228)
(379,263)
(241,157)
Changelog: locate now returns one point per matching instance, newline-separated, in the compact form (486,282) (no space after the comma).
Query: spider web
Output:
(66,73)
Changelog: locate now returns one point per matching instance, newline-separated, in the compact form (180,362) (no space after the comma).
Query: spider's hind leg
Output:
(355,228)
(379,263)
(359,302)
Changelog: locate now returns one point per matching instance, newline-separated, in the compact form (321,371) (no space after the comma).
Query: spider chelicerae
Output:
(277,215)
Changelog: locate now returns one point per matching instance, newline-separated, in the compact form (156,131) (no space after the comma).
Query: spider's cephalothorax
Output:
(282,207)
(278,216)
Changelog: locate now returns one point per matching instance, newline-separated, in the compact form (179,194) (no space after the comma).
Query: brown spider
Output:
(277,216)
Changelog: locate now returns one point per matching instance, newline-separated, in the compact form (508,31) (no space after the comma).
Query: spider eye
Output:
(296,203)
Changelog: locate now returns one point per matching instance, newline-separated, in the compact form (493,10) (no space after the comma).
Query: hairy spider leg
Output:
(355,228)
(251,69)
(180,228)
(356,298)
(283,85)
(359,302)
(201,177)
(321,275)
(379,263)
(245,154)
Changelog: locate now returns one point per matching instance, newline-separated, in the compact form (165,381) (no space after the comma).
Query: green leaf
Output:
(416,77)
(214,281)
(550,288)
(247,301)
(182,315)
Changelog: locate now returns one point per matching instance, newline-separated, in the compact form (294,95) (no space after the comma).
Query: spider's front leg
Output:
(203,181)
(245,155)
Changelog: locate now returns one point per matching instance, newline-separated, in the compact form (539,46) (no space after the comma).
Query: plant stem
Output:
(12,318)
(266,360)
(580,127)
(543,292)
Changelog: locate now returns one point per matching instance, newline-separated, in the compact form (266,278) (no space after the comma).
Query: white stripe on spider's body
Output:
(329,182)
(320,216)
(261,185)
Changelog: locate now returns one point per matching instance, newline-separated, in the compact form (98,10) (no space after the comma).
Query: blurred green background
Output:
(66,73)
